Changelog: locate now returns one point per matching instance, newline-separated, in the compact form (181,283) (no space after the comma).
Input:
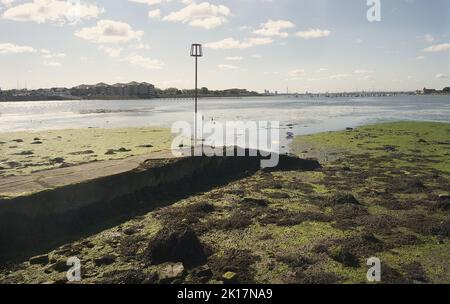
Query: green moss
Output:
(76,146)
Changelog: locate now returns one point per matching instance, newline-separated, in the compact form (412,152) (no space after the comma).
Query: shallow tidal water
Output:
(297,115)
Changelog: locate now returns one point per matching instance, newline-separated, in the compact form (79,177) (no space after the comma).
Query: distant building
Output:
(118,90)
(428,91)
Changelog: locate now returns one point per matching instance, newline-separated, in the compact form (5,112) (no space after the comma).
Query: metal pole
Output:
(196,97)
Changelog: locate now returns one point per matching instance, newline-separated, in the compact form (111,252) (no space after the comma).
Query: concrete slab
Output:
(15,186)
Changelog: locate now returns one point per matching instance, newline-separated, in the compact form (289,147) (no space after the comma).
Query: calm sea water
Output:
(308,115)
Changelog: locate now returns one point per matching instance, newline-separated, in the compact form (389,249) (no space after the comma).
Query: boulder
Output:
(178,243)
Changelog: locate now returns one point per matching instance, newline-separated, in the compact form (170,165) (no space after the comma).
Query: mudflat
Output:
(382,192)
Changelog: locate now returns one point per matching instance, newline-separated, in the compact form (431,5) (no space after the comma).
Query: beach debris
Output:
(171,272)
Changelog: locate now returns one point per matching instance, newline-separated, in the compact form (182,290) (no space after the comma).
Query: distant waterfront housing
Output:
(425,91)
(115,91)
(132,90)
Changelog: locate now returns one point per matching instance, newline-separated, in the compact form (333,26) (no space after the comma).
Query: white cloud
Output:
(235,58)
(438,48)
(231,43)
(420,57)
(227,67)
(442,76)
(297,73)
(340,76)
(313,33)
(362,72)
(274,28)
(52,64)
(205,15)
(9,48)
(49,55)
(108,31)
(54,11)
(154,14)
(111,51)
(6,3)
(150,2)
(428,38)
(257,56)
(144,62)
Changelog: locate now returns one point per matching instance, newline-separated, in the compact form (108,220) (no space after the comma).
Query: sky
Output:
(276,45)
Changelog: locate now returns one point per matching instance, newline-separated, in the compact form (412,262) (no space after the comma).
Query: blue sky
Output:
(306,45)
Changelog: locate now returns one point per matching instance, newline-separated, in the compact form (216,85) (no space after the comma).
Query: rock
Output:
(229,277)
(152,278)
(86,152)
(60,266)
(390,148)
(18,140)
(57,160)
(25,153)
(343,198)
(130,231)
(110,152)
(123,150)
(36,143)
(145,146)
(36,139)
(171,272)
(444,197)
(203,272)
(422,141)
(255,202)
(40,260)
(105,260)
(177,243)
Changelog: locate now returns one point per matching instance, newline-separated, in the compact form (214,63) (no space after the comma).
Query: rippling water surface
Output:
(309,115)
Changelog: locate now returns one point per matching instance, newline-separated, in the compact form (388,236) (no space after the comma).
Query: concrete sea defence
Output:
(38,221)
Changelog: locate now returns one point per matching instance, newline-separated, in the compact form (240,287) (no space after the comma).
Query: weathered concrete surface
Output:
(14,186)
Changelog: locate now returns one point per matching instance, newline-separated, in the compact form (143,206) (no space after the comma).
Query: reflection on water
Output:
(300,116)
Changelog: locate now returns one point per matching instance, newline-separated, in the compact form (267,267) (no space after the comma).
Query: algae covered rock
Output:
(178,243)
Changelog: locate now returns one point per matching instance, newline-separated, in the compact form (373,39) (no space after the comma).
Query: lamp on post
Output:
(196,51)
